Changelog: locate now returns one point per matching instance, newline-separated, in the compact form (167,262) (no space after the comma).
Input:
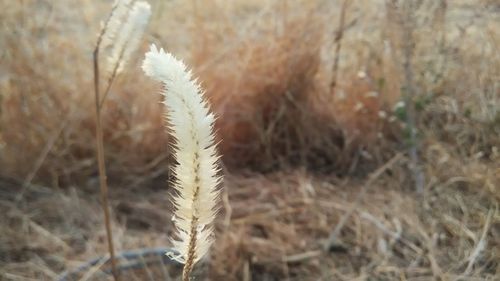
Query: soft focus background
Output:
(314,102)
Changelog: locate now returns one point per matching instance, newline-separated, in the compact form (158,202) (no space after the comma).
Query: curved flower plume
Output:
(191,124)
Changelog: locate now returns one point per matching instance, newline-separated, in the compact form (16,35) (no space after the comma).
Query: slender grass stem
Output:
(100,160)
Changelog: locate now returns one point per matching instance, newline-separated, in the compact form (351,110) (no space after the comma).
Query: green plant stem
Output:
(408,26)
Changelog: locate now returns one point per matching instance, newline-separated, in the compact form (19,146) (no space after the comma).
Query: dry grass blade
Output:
(480,244)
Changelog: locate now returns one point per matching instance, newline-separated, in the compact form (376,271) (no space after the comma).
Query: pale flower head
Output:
(191,123)
(127,35)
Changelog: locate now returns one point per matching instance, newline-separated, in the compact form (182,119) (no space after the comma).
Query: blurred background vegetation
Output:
(328,112)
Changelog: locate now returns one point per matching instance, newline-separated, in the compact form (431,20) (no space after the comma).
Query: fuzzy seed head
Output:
(123,35)
(191,123)
(119,13)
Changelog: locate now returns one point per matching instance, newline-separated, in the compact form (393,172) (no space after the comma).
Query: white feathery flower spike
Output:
(119,12)
(191,123)
(124,37)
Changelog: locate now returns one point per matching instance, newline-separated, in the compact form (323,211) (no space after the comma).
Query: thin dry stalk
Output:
(338,44)
(136,21)
(100,154)
(102,166)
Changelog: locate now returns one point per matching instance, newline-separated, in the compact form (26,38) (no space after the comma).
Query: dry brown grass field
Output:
(360,140)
